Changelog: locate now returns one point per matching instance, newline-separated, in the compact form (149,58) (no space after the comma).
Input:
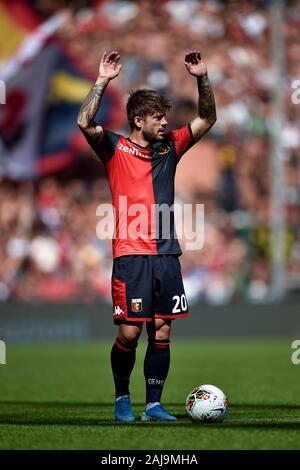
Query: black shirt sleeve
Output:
(105,147)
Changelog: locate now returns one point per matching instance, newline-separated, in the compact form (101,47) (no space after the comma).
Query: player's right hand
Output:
(109,67)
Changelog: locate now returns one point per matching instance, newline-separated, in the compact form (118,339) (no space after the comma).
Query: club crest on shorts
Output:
(136,305)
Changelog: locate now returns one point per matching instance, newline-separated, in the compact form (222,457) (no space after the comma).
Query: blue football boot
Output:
(157,413)
(123,410)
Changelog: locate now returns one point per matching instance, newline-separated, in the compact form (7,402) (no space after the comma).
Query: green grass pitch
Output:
(60,396)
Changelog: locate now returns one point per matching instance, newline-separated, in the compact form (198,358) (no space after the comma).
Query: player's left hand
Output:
(195,64)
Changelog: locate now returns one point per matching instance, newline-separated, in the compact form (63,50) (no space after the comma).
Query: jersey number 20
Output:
(180,303)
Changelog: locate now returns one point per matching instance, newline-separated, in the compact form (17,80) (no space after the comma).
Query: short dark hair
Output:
(146,103)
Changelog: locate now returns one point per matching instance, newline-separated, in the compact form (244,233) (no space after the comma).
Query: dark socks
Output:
(122,362)
(156,367)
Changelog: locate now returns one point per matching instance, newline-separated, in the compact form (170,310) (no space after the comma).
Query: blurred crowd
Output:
(49,248)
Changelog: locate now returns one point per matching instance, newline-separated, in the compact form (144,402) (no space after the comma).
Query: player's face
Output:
(154,127)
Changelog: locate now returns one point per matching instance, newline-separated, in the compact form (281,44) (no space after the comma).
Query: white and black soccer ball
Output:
(207,404)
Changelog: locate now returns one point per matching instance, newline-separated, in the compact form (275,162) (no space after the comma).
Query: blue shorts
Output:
(146,287)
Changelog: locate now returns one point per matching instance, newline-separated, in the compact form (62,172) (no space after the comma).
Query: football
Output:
(207,404)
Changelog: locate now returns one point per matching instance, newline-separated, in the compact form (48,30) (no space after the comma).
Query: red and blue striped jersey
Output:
(141,181)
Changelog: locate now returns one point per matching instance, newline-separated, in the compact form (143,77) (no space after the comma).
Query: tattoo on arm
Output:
(206,104)
(89,110)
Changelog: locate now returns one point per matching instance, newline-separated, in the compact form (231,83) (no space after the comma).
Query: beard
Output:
(151,136)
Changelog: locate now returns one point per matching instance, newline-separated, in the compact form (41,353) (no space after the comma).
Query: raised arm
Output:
(206,104)
(108,69)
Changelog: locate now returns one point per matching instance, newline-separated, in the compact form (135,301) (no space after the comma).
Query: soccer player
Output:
(146,277)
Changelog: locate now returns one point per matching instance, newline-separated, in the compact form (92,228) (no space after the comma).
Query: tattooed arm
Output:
(206,104)
(108,69)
